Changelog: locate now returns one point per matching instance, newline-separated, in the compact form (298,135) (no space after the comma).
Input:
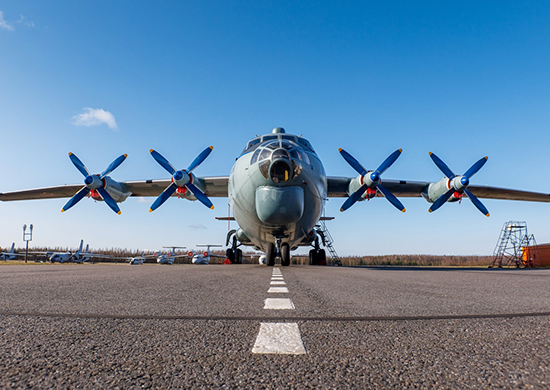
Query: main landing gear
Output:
(317,256)
(234,254)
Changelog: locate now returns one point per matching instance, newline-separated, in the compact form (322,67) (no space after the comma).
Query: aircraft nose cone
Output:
(464,181)
(88,180)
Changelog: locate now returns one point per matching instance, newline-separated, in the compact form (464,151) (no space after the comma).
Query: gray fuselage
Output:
(277,189)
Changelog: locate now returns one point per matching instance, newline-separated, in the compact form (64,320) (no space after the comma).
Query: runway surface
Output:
(249,326)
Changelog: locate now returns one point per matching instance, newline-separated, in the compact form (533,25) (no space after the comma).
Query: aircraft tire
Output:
(313,257)
(322,257)
(229,254)
(270,255)
(285,255)
(238,256)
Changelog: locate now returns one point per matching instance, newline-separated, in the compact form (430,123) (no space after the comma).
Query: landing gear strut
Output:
(270,254)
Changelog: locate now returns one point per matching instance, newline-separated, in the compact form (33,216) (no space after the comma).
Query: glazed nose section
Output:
(279,205)
(280,170)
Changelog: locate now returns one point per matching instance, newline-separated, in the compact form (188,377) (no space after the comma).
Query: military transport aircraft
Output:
(204,257)
(171,257)
(10,255)
(277,190)
(63,257)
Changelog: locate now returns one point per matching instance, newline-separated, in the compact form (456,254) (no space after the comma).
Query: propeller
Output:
(370,180)
(182,179)
(459,184)
(94,183)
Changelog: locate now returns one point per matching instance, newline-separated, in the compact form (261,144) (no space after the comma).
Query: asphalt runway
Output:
(192,326)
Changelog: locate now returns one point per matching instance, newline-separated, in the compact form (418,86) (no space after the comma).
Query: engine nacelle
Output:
(355,184)
(118,191)
(435,190)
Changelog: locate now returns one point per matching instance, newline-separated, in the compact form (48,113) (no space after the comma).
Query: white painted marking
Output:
(277,272)
(277,282)
(277,278)
(278,303)
(277,290)
(279,338)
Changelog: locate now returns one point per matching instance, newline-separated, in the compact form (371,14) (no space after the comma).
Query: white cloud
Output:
(197,226)
(25,21)
(3,24)
(95,117)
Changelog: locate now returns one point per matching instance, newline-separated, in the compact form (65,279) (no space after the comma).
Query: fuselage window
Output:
(255,156)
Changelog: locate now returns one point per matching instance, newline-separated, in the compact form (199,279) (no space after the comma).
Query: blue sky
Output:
(463,79)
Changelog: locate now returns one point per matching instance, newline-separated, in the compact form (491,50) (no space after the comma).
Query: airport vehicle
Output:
(203,257)
(277,190)
(171,257)
(10,255)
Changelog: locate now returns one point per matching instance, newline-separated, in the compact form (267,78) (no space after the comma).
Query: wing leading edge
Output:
(338,188)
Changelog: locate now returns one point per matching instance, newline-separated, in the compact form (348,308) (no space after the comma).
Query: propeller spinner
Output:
(94,183)
(182,179)
(371,180)
(459,184)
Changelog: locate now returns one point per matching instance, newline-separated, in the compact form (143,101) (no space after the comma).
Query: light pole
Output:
(27,237)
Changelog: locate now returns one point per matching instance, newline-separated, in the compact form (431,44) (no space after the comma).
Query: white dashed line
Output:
(278,304)
(279,338)
(280,282)
(278,290)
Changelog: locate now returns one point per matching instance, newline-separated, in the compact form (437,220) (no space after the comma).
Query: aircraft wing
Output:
(214,187)
(338,188)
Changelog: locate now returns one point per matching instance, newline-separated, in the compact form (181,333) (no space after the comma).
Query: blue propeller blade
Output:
(476,167)
(162,161)
(201,197)
(109,200)
(114,165)
(442,166)
(477,202)
(391,197)
(441,200)
(79,165)
(388,161)
(163,197)
(350,201)
(353,162)
(200,158)
(76,198)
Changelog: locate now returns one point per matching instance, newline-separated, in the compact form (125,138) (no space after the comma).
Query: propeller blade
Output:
(477,202)
(162,161)
(442,166)
(441,200)
(79,165)
(163,197)
(114,165)
(200,158)
(391,198)
(354,198)
(76,198)
(353,162)
(109,200)
(201,197)
(389,161)
(476,167)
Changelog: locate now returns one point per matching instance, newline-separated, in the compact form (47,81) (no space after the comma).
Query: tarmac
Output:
(193,326)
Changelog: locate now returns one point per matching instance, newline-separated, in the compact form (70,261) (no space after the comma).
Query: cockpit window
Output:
(305,142)
(252,145)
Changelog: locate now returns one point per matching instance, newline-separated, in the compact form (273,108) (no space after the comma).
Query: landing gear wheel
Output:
(230,255)
(285,255)
(322,257)
(270,255)
(238,256)
(313,257)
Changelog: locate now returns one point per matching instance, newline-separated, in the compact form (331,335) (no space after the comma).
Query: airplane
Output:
(10,255)
(63,257)
(277,189)
(204,257)
(171,257)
